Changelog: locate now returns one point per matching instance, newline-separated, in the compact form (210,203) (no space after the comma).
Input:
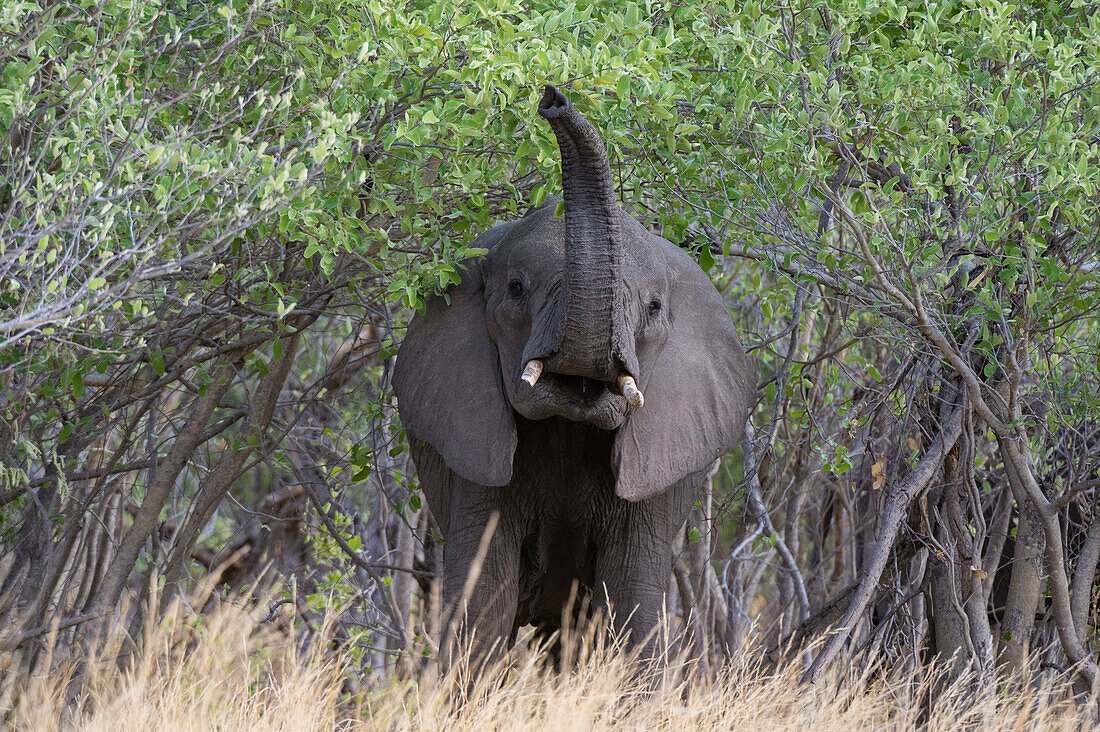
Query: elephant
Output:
(563,405)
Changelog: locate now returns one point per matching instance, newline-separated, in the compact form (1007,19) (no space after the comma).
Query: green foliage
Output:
(175,176)
(349,127)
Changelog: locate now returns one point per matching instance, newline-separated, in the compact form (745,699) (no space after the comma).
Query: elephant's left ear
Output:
(450,392)
(698,393)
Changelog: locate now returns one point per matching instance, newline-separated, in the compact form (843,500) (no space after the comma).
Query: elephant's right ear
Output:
(450,392)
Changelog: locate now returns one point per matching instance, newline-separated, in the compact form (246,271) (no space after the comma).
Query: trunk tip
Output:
(553,102)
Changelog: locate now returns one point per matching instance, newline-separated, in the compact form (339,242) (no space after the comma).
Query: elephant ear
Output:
(449,388)
(698,393)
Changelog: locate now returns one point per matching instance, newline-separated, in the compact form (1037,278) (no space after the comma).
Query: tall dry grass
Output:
(232,671)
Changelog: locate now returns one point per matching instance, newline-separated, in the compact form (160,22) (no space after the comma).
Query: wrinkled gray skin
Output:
(584,488)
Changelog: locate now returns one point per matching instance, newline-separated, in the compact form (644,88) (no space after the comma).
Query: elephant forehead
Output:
(643,256)
(536,247)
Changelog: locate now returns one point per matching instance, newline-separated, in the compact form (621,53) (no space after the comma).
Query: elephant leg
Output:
(633,568)
(634,594)
(548,637)
(480,585)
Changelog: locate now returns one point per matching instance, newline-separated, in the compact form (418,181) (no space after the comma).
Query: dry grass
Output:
(232,672)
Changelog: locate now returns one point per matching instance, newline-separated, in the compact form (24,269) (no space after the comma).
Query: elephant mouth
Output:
(576,398)
(581,388)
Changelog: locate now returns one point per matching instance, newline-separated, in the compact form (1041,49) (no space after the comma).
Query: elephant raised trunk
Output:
(590,338)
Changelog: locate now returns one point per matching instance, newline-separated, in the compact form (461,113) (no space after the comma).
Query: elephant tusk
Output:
(631,391)
(532,372)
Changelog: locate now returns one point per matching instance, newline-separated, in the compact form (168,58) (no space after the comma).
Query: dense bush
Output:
(215,218)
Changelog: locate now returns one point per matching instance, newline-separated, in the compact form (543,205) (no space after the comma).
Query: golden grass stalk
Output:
(229,670)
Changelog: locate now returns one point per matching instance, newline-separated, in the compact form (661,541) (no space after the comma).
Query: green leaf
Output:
(706,259)
(632,15)
(622,87)
(538,195)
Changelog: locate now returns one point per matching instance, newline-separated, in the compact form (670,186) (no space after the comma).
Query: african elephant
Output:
(571,393)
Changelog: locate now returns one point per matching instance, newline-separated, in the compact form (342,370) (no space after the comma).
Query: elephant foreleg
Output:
(632,587)
(480,583)
(634,566)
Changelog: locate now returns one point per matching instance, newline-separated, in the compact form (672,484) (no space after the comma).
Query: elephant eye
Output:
(515,287)
(654,306)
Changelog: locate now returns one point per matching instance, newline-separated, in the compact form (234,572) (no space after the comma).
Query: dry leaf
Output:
(878,472)
(979,278)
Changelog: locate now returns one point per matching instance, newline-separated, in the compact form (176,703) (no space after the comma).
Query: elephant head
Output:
(587,317)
